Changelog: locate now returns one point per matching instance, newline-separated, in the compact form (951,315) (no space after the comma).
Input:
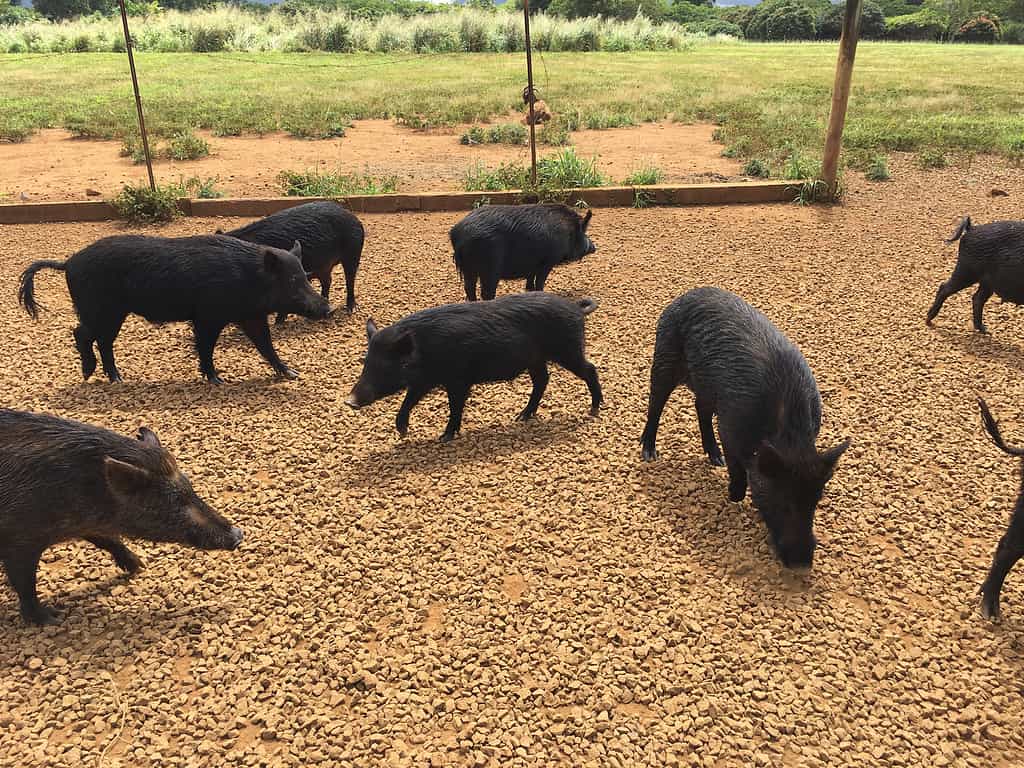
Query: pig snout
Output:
(591,248)
(317,308)
(235,535)
(796,553)
(359,396)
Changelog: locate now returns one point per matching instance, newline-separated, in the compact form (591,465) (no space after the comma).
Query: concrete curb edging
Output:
(598,197)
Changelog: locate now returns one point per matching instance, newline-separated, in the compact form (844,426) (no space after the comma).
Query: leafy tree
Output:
(790,22)
(66,9)
(685,13)
(656,10)
(872,22)
(926,24)
(980,29)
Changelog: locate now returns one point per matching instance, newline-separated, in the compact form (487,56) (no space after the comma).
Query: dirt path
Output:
(533,594)
(55,166)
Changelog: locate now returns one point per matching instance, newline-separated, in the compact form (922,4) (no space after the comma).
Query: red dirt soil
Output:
(53,165)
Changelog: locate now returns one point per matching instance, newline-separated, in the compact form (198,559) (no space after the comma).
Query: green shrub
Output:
(983,28)
(338,37)
(645,176)
(141,205)
(204,189)
(554,134)
(473,35)
(475,135)
(505,133)
(506,176)
(316,183)
(872,22)
(878,170)
(931,158)
(1016,149)
(428,37)
(185,145)
(790,22)
(926,24)
(757,167)
(567,171)
(209,39)
(1013,32)
(714,27)
(797,167)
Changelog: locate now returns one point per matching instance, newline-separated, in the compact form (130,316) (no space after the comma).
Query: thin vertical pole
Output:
(529,93)
(841,93)
(138,99)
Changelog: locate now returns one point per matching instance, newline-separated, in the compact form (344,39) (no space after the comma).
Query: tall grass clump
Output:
(645,176)
(316,183)
(563,170)
(229,28)
(141,205)
(878,169)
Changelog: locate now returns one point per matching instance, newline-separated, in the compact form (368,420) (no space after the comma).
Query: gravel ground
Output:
(534,594)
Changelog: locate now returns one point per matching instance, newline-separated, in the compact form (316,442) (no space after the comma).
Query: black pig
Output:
(991,255)
(512,242)
(62,480)
(458,345)
(1011,546)
(210,281)
(329,234)
(740,367)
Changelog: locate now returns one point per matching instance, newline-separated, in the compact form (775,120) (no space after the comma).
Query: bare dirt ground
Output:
(53,165)
(533,594)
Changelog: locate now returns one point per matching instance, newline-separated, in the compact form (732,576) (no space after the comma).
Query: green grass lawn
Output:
(771,100)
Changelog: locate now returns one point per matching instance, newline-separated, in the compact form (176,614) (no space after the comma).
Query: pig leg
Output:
(983,294)
(206,335)
(258,331)
(125,559)
(737,478)
(585,370)
(662,384)
(349,270)
(457,394)
(541,278)
(105,342)
(488,284)
(21,569)
(412,397)
(469,281)
(281,317)
(531,283)
(707,433)
(539,375)
(83,342)
(1009,551)
(956,283)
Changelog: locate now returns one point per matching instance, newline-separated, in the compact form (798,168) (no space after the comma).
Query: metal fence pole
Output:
(138,99)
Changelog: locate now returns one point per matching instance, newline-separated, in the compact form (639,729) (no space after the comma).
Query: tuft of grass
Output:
(563,170)
(15,132)
(645,176)
(506,133)
(757,167)
(930,158)
(141,205)
(554,134)
(642,199)
(798,167)
(1015,150)
(480,178)
(817,191)
(185,145)
(316,183)
(878,169)
(204,189)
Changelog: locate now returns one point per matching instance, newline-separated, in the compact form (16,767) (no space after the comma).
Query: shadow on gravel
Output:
(984,346)
(425,455)
(294,327)
(88,623)
(261,393)
(729,540)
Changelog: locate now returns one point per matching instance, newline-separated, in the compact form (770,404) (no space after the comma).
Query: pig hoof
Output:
(213,378)
(447,437)
(289,374)
(737,492)
(128,562)
(402,429)
(351,309)
(982,329)
(525,415)
(42,616)
(595,410)
(716,461)
(649,454)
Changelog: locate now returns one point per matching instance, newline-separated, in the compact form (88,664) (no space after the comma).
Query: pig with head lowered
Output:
(329,234)
(741,368)
(512,242)
(61,480)
(210,281)
(455,346)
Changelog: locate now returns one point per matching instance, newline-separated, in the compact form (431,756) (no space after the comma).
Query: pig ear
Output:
(830,457)
(769,461)
(148,437)
(404,344)
(371,328)
(271,261)
(297,250)
(125,478)
(219,232)
(586,219)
